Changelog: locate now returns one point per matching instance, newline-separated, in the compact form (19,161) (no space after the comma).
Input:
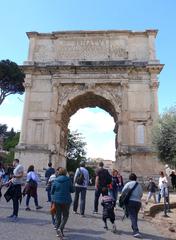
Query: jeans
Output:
(150,194)
(97,195)
(82,191)
(62,214)
(49,194)
(35,200)
(15,198)
(159,196)
(114,194)
(133,208)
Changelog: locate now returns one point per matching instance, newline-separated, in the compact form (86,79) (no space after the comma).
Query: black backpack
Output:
(104,178)
(80,178)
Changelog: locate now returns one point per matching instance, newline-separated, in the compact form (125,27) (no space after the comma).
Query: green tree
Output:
(164,136)
(11,140)
(76,152)
(11,79)
(3,130)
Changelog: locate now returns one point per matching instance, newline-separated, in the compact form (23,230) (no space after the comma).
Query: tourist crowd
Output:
(60,185)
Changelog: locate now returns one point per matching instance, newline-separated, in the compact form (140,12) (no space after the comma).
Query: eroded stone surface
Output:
(114,70)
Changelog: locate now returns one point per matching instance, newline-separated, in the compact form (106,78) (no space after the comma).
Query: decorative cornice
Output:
(75,66)
(91,33)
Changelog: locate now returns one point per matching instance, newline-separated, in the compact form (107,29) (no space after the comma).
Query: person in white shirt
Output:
(80,188)
(163,186)
(31,187)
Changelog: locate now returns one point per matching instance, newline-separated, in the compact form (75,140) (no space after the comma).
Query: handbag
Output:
(9,193)
(125,196)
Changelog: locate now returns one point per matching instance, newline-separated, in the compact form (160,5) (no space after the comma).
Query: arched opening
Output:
(96,128)
(87,100)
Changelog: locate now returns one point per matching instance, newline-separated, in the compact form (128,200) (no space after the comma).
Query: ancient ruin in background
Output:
(114,70)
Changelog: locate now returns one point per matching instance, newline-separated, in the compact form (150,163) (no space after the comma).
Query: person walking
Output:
(114,186)
(61,195)
(134,204)
(121,185)
(50,182)
(151,190)
(30,189)
(2,172)
(108,204)
(163,186)
(103,179)
(173,179)
(15,184)
(50,170)
(80,188)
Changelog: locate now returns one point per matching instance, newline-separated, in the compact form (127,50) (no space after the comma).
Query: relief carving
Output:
(111,92)
(66,91)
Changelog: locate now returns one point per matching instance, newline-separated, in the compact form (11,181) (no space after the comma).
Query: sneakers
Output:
(28,209)
(106,227)
(39,207)
(75,212)
(137,235)
(114,230)
(13,217)
(60,233)
(95,212)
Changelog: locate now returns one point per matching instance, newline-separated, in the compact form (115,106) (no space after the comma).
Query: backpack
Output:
(125,196)
(80,178)
(104,178)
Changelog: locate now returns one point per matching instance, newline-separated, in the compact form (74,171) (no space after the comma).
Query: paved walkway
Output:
(37,224)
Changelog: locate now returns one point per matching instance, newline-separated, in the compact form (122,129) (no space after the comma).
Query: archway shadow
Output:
(83,234)
(31,221)
(146,236)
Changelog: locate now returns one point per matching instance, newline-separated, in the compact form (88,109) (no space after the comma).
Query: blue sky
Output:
(20,16)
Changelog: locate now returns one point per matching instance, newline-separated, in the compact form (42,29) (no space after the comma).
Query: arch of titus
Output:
(114,70)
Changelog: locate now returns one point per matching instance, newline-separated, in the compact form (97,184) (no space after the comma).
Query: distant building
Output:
(94,162)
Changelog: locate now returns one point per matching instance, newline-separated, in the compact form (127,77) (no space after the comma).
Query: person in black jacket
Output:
(103,179)
(108,204)
(50,170)
(151,190)
(173,180)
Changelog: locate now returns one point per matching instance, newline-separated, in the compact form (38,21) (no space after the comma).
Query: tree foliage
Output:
(3,130)
(11,79)
(76,152)
(11,140)
(164,137)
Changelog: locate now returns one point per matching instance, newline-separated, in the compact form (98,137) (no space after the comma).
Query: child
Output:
(50,181)
(108,209)
(151,190)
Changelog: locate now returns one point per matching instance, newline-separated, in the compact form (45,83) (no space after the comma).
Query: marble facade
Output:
(114,70)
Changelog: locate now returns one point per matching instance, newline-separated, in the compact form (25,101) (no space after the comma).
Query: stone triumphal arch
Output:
(65,71)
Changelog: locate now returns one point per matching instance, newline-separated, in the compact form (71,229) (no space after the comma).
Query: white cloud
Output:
(11,122)
(97,128)
(104,150)
(98,122)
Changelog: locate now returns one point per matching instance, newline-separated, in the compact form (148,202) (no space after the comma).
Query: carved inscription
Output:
(90,49)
